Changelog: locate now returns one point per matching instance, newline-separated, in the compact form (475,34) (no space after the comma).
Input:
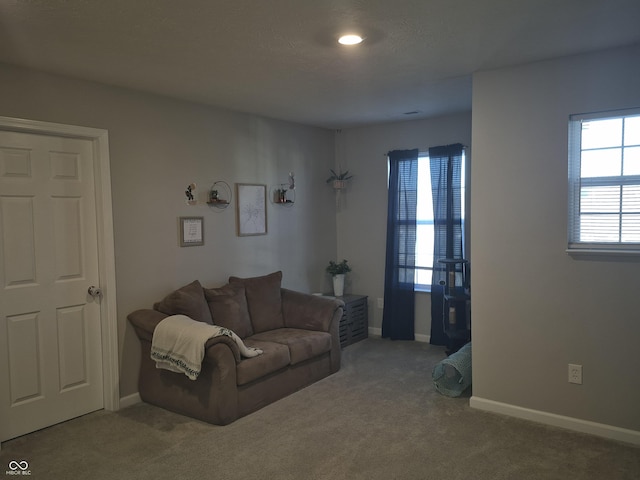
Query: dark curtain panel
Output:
(446,168)
(399,308)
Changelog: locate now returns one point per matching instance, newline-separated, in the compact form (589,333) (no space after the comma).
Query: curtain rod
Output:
(464,147)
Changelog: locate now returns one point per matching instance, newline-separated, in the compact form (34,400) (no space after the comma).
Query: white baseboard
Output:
(130,400)
(377,332)
(575,424)
(422,338)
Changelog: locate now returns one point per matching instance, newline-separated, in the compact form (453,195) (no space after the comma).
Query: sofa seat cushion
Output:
(274,357)
(302,344)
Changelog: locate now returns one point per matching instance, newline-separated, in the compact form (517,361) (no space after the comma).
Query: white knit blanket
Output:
(178,344)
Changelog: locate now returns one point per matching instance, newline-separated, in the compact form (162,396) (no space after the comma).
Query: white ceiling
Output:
(280,58)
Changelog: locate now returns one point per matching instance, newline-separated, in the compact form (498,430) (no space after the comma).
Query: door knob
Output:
(95,291)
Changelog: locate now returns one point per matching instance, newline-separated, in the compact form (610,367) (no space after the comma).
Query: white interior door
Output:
(50,333)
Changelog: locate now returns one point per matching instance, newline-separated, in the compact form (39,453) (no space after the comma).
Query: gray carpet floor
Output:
(379,417)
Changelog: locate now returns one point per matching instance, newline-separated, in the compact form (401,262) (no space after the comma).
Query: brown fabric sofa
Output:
(297,332)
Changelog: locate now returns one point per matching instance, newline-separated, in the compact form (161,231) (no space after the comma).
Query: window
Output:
(424,220)
(604,182)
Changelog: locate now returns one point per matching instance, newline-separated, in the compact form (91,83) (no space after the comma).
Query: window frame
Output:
(576,182)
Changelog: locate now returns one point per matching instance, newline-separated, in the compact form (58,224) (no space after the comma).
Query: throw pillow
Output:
(264,300)
(228,305)
(188,300)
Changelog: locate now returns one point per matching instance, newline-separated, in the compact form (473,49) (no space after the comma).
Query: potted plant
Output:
(338,271)
(339,179)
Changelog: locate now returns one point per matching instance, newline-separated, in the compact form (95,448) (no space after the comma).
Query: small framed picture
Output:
(251,214)
(191,231)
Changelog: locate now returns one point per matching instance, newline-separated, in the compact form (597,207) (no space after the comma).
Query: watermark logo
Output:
(18,467)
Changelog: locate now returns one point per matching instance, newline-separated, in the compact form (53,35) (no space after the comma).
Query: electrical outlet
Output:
(381,303)
(575,374)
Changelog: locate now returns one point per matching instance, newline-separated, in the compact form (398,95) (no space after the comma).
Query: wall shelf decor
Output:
(219,195)
(284,194)
(191,194)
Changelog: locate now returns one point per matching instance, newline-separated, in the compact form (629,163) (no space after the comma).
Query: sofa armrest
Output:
(309,312)
(224,340)
(145,321)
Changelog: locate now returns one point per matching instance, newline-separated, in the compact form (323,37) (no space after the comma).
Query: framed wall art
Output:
(191,231)
(251,211)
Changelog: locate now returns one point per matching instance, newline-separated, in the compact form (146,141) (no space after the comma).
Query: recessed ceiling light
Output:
(350,39)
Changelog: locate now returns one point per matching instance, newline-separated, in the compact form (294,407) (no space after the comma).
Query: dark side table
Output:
(354,325)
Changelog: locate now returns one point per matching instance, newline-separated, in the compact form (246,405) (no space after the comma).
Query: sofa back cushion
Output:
(264,300)
(229,309)
(188,300)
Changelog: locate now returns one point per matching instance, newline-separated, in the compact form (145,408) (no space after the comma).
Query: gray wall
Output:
(157,147)
(362,213)
(535,308)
